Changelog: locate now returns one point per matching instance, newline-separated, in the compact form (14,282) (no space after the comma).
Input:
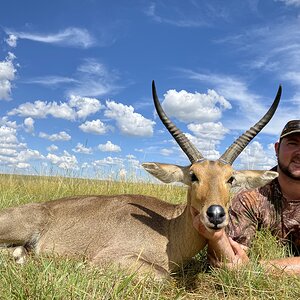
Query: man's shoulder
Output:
(257,195)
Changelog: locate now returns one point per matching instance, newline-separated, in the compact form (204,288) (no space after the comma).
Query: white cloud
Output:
(231,87)
(72,37)
(7,75)
(95,127)
(134,163)
(61,136)
(29,125)
(8,152)
(255,157)
(166,152)
(189,107)
(12,40)
(28,154)
(122,174)
(293,77)
(276,48)
(41,109)
(95,79)
(206,146)
(16,145)
(128,121)
(250,105)
(209,130)
(80,148)
(14,154)
(8,135)
(22,165)
(275,51)
(76,108)
(109,147)
(6,122)
(296,99)
(51,80)
(114,168)
(290,2)
(91,79)
(85,165)
(7,160)
(66,161)
(108,161)
(52,148)
(20,160)
(92,67)
(207,137)
(195,18)
(85,106)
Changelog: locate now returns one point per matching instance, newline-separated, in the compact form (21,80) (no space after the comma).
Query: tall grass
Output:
(46,277)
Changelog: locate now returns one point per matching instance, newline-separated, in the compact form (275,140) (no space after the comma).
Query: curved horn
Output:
(188,148)
(239,144)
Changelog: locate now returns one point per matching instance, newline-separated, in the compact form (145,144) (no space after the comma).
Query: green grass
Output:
(45,277)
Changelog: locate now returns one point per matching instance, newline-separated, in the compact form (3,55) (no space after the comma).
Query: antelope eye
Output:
(230,180)
(193,177)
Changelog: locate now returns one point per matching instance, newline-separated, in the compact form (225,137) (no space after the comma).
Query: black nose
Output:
(216,214)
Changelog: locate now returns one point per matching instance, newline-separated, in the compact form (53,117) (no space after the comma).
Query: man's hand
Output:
(240,255)
(222,250)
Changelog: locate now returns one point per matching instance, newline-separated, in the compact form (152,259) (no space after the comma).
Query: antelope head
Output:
(211,183)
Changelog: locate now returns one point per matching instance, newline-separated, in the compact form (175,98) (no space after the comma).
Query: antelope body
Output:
(135,231)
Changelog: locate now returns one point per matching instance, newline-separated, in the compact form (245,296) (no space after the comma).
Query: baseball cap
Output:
(291,127)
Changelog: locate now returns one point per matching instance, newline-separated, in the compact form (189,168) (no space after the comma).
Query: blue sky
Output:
(75,81)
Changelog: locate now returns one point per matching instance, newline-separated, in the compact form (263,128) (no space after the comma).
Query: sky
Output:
(75,82)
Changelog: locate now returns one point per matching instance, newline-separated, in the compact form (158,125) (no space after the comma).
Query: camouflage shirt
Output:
(265,208)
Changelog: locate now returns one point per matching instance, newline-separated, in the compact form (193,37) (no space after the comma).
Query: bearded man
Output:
(275,207)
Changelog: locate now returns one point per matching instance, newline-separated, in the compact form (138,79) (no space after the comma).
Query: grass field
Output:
(60,278)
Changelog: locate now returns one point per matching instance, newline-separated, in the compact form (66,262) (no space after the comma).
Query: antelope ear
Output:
(247,180)
(168,173)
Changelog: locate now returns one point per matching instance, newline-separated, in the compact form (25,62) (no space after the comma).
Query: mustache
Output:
(296,158)
(285,169)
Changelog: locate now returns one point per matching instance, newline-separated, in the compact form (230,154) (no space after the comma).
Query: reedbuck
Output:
(138,231)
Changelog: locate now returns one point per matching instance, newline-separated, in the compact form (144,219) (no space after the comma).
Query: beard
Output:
(286,170)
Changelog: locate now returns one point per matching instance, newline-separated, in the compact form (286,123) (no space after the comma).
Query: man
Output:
(275,206)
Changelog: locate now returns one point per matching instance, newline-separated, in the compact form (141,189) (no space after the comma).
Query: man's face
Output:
(288,155)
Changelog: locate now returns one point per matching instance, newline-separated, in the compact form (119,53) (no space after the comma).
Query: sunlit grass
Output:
(18,189)
(61,278)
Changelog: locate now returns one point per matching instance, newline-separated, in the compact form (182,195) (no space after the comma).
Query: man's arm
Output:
(223,251)
(290,265)
(219,255)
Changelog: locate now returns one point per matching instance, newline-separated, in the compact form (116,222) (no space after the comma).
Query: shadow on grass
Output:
(190,277)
